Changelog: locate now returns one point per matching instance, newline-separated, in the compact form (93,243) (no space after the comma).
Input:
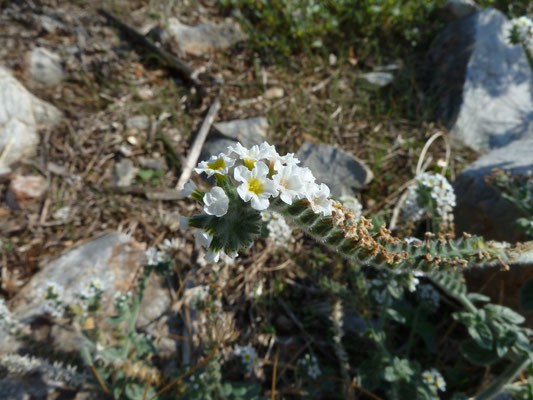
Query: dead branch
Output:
(196,148)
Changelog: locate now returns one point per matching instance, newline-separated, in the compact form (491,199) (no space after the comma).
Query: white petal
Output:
(259,203)
(241,174)
(260,170)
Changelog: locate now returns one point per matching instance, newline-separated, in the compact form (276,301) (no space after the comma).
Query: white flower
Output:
(249,156)
(216,202)
(248,356)
(203,238)
(188,188)
(289,160)
(310,365)
(434,380)
(278,229)
(255,187)
(171,244)
(289,182)
(216,164)
(184,222)
(318,196)
(524,29)
(212,256)
(268,151)
(353,204)
(412,282)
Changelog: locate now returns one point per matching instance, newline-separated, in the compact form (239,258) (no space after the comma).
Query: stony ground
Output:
(118,104)
(112,163)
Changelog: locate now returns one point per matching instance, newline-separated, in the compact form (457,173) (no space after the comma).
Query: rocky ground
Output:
(95,131)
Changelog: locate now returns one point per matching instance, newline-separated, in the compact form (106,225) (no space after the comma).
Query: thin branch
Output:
(164,57)
(196,148)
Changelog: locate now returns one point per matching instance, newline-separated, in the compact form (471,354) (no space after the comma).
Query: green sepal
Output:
(237,228)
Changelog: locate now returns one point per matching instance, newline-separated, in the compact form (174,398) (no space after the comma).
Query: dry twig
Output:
(196,148)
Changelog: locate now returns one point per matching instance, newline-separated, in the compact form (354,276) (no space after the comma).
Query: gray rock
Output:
(138,122)
(480,208)
(248,131)
(215,146)
(343,173)
(115,259)
(483,84)
(21,114)
(203,38)
(377,79)
(152,163)
(45,66)
(24,389)
(460,8)
(124,173)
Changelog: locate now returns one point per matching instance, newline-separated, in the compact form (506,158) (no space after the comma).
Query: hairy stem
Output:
(358,240)
(505,378)
(143,282)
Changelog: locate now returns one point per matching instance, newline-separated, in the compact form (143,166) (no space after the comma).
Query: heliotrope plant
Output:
(249,182)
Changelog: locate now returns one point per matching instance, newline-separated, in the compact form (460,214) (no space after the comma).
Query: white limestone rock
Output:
(483,84)
(21,114)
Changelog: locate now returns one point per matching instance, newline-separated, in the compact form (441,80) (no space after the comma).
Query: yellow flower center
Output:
(249,163)
(217,165)
(247,357)
(255,186)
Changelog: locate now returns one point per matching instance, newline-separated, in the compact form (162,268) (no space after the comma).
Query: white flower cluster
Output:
(7,322)
(434,380)
(278,229)
(353,204)
(248,356)
(53,303)
(413,281)
(439,190)
(156,256)
(522,30)
(259,175)
(378,289)
(91,288)
(309,363)
(196,380)
(429,294)
(122,299)
(200,297)
(25,365)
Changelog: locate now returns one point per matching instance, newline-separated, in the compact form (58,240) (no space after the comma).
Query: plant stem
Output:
(529,56)
(412,332)
(143,282)
(506,377)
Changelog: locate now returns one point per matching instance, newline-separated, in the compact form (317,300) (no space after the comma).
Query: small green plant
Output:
(151,176)
(296,25)
(518,191)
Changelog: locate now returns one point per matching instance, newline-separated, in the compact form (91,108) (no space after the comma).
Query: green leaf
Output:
(482,334)
(146,174)
(526,296)
(477,297)
(504,314)
(478,355)
(396,315)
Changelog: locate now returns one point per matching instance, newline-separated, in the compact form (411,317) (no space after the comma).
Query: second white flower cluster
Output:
(521,31)
(439,190)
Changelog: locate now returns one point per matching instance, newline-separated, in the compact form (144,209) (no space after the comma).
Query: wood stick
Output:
(164,57)
(196,148)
